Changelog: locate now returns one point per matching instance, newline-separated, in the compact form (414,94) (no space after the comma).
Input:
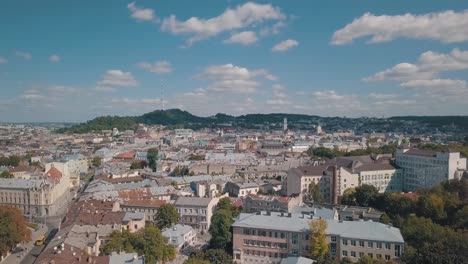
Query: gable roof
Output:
(54,174)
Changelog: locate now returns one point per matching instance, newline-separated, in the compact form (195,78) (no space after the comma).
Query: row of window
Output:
(265,254)
(361,254)
(266,244)
(370,244)
(254,232)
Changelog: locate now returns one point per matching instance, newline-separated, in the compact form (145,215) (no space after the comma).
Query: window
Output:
(361,243)
(379,245)
(333,238)
(345,242)
(353,254)
(361,254)
(397,251)
(353,242)
(388,246)
(370,244)
(370,255)
(345,253)
(379,256)
(387,257)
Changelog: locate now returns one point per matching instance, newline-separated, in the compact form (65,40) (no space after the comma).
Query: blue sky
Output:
(74,60)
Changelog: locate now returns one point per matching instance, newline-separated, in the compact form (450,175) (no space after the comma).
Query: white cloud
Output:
(62,90)
(447,27)
(381,96)
(240,17)
(156,67)
(3,60)
(428,66)
(273,30)
(137,101)
(24,55)
(141,14)
(278,87)
(118,78)
(285,45)
(54,58)
(244,38)
(234,79)
(435,83)
(105,89)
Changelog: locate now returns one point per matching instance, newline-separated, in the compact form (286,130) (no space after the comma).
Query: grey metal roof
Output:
(298,223)
(193,201)
(297,260)
(122,258)
(21,183)
(133,216)
(176,233)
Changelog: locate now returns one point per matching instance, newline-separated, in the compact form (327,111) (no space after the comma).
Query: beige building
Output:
(71,167)
(196,211)
(44,196)
(299,179)
(257,203)
(270,237)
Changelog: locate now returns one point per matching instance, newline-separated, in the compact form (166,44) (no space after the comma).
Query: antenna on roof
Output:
(162,94)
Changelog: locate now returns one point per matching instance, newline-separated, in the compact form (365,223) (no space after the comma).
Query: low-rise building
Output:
(180,236)
(270,237)
(196,211)
(256,203)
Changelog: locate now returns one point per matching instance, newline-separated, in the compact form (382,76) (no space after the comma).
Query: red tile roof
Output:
(54,173)
(126,155)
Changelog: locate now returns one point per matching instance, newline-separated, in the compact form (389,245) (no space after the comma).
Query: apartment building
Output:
(196,211)
(426,168)
(71,166)
(44,196)
(256,203)
(270,237)
(299,179)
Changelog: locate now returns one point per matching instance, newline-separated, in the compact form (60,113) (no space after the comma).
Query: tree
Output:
(136,165)
(97,161)
(220,229)
(152,156)
(349,197)
(384,219)
(6,174)
(167,216)
(13,229)
(365,260)
(148,242)
(226,204)
(314,193)
(318,239)
(431,206)
(217,256)
(346,261)
(366,195)
(196,261)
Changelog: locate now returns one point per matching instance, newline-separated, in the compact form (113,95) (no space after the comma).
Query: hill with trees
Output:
(176,118)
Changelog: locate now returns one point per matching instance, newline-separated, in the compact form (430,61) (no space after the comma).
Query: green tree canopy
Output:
(13,229)
(167,216)
(152,156)
(318,239)
(220,229)
(148,242)
(314,193)
(97,161)
(6,174)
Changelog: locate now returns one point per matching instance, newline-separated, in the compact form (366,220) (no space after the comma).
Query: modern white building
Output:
(426,168)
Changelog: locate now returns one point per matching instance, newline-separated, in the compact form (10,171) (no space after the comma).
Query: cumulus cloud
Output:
(3,60)
(446,27)
(381,96)
(272,30)
(54,58)
(435,83)
(24,55)
(105,89)
(285,45)
(242,16)
(156,67)
(234,79)
(141,14)
(244,38)
(428,66)
(118,78)
(62,90)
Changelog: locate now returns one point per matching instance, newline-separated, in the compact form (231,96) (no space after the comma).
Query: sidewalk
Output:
(16,258)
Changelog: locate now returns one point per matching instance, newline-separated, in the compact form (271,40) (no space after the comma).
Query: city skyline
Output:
(63,61)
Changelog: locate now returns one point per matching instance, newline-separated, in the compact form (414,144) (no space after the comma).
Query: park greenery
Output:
(167,216)
(148,242)
(221,221)
(11,161)
(152,156)
(432,221)
(210,256)
(318,239)
(327,153)
(97,161)
(6,174)
(13,229)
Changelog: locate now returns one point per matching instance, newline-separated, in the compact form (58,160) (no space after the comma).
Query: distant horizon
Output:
(278,113)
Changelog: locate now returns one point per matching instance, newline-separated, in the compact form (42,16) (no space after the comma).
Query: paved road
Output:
(24,249)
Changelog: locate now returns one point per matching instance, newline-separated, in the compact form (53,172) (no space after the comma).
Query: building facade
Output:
(196,211)
(270,237)
(426,168)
